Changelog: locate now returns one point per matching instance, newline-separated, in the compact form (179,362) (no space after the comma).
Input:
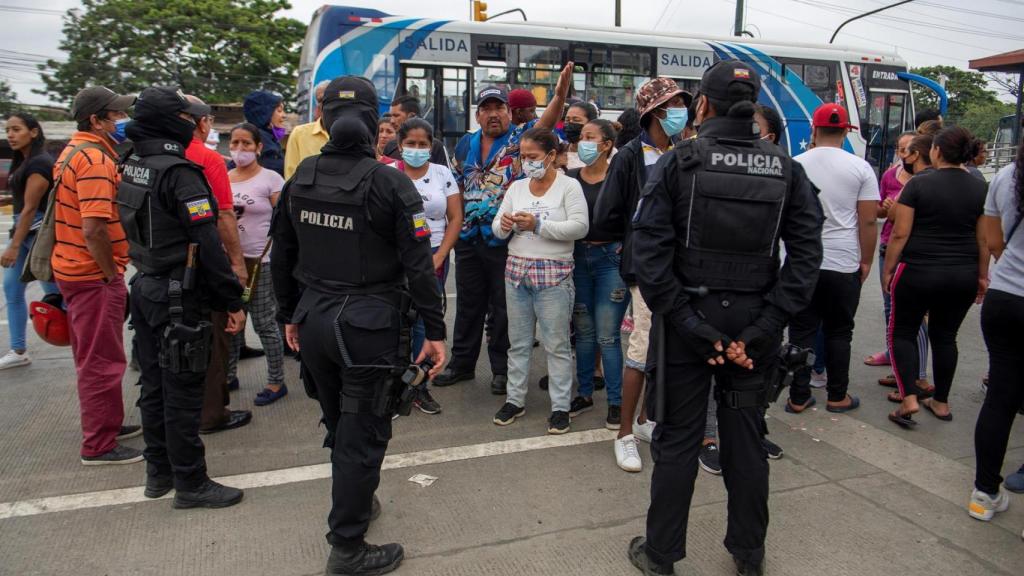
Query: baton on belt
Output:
(659,376)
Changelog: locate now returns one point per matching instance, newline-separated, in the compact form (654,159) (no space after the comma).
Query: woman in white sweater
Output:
(544,215)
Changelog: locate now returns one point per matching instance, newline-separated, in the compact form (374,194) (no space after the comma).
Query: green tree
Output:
(217,49)
(965,89)
(983,119)
(8,99)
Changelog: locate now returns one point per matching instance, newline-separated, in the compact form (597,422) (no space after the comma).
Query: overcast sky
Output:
(924,32)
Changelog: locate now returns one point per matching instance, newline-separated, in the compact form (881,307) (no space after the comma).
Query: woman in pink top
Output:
(255,190)
(890,187)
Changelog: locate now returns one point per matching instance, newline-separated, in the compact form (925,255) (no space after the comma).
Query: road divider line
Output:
(122,496)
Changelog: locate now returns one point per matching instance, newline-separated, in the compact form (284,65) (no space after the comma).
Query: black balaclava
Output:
(159,123)
(350,97)
(350,137)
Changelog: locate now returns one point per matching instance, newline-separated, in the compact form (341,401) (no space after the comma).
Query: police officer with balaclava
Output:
(168,214)
(352,233)
(706,255)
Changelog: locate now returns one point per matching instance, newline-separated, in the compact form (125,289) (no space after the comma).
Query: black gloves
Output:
(699,335)
(765,330)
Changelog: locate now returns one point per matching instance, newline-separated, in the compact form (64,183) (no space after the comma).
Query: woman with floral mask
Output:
(544,214)
(256,190)
(442,206)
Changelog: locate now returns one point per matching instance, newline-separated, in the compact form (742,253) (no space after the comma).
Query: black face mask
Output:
(573,131)
(908,167)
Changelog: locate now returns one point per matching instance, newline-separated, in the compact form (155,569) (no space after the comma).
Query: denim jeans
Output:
(549,309)
(922,334)
(419,332)
(14,294)
(601,301)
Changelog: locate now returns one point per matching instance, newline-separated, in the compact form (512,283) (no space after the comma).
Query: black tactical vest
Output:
(738,191)
(158,242)
(340,251)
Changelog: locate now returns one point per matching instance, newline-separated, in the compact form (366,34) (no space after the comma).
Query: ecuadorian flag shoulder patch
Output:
(199,209)
(420,228)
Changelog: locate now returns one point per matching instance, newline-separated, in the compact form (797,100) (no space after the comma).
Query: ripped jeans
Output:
(601,301)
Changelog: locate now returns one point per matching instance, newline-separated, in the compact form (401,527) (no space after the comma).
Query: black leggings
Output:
(1002,318)
(945,294)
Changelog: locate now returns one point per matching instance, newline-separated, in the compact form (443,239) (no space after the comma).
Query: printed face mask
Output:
(535,169)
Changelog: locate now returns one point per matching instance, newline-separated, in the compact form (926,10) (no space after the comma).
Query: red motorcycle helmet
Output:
(50,320)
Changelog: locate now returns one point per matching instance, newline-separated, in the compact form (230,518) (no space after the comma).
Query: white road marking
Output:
(124,496)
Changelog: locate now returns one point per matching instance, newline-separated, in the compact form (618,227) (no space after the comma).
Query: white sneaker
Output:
(819,380)
(12,360)
(644,432)
(627,454)
(983,507)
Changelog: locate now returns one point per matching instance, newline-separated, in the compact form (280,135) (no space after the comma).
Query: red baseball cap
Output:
(832,115)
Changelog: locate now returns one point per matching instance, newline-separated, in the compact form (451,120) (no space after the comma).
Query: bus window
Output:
(615,73)
(538,69)
(818,75)
(489,74)
(420,84)
(455,98)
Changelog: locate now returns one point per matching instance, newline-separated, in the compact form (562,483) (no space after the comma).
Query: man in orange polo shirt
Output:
(89,260)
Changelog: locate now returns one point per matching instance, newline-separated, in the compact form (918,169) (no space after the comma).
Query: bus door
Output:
(443,92)
(883,101)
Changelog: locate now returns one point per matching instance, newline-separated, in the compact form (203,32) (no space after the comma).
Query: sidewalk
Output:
(854,495)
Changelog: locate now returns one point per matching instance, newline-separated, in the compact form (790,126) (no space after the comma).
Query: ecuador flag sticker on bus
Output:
(420,228)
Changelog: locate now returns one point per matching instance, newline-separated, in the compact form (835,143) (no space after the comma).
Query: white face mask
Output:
(535,169)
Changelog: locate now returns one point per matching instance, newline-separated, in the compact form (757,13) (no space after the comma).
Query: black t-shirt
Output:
(591,192)
(947,204)
(41,164)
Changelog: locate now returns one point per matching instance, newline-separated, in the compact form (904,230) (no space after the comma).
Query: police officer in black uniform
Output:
(706,254)
(352,233)
(168,214)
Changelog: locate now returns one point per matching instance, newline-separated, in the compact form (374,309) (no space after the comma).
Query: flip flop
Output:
(854,404)
(903,420)
(944,418)
(791,408)
(877,359)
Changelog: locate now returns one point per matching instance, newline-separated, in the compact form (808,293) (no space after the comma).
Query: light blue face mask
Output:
(588,152)
(415,157)
(118,134)
(674,120)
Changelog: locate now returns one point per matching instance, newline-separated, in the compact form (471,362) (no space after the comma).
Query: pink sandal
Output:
(877,359)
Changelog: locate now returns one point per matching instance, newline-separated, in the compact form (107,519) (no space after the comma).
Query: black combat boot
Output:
(638,556)
(364,560)
(744,568)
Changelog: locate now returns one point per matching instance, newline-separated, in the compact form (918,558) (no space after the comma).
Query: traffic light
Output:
(479,11)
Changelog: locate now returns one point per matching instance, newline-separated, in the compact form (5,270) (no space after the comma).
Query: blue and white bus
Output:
(445,62)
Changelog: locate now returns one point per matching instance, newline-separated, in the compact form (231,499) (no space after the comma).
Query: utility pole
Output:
(741,12)
(618,13)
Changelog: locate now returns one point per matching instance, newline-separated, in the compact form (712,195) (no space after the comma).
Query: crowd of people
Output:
(538,212)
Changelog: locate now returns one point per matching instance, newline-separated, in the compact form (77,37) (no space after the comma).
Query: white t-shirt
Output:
(435,187)
(562,212)
(1008,272)
(844,180)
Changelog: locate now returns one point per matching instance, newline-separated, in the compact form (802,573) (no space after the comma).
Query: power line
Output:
(30,10)
(970,31)
(872,40)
